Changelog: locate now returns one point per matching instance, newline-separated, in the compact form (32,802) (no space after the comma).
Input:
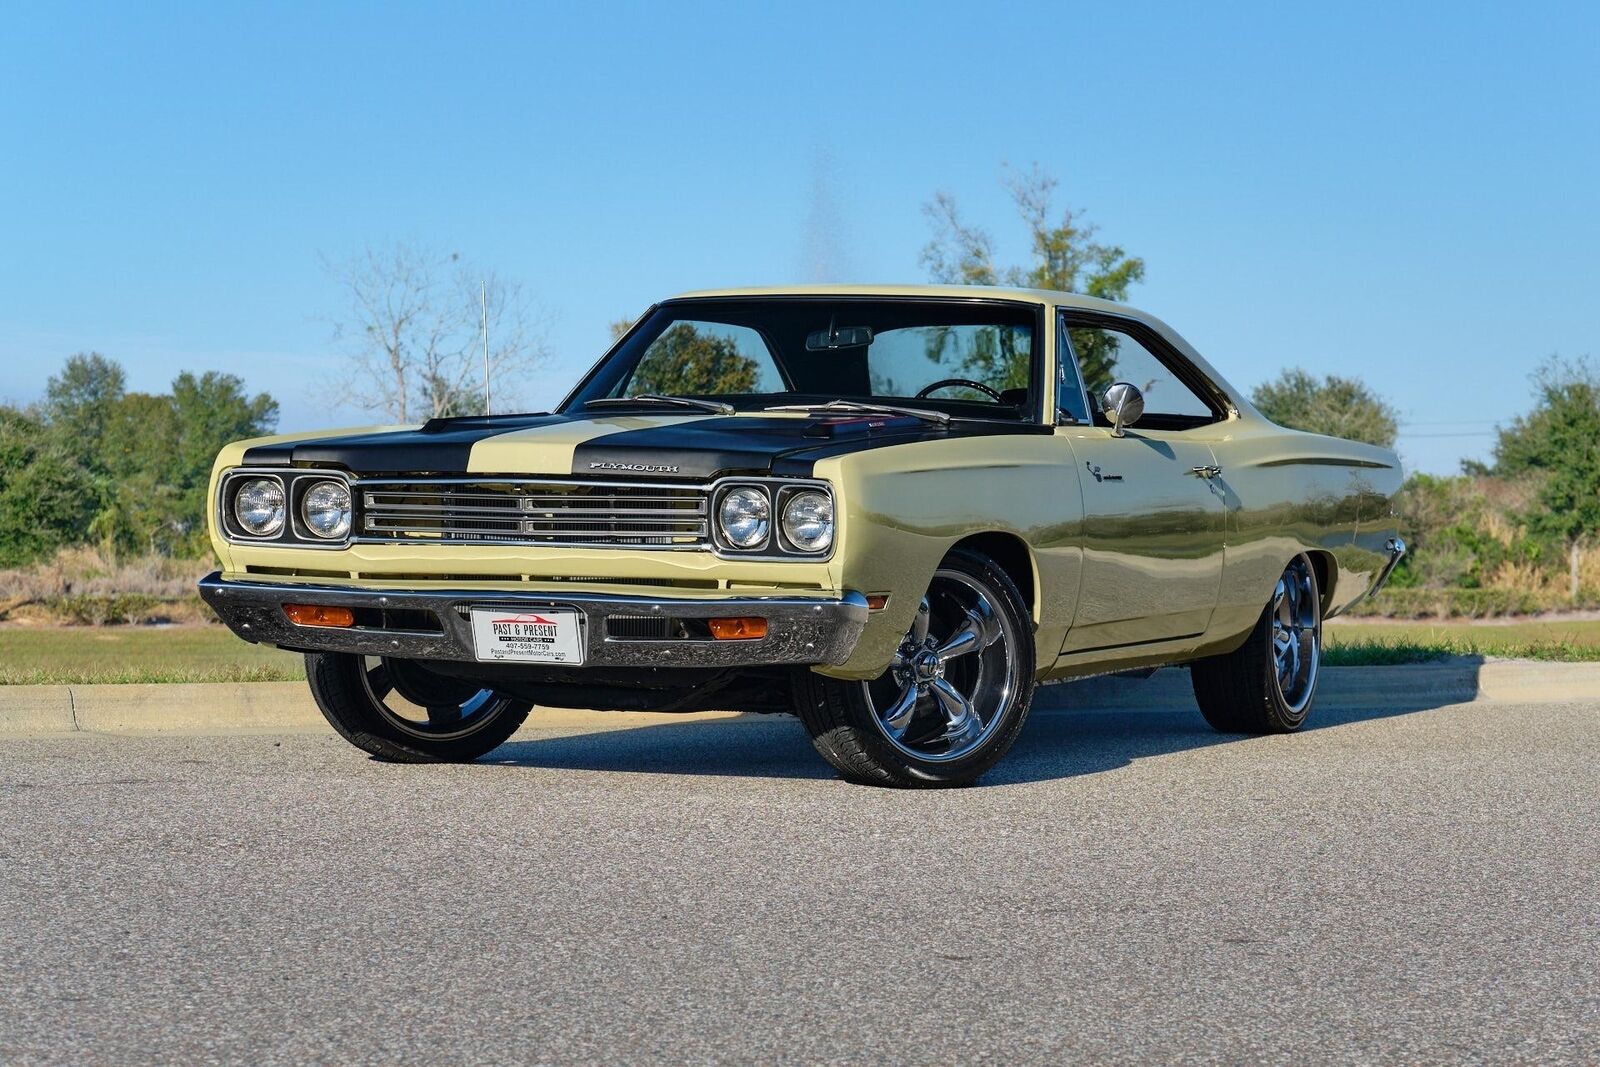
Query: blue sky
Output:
(1404,192)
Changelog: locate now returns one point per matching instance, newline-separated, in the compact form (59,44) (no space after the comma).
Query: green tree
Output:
(1064,257)
(139,464)
(138,438)
(213,409)
(1339,407)
(46,498)
(1559,442)
(685,362)
(209,410)
(78,402)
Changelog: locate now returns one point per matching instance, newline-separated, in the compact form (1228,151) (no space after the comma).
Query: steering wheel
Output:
(945,383)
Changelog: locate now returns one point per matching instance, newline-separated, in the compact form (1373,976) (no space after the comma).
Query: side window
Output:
(1106,356)
(707,359)
(1069,387)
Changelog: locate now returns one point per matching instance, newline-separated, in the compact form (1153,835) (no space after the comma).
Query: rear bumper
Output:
(433,624)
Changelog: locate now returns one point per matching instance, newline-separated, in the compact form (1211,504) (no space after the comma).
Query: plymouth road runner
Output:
(891,511)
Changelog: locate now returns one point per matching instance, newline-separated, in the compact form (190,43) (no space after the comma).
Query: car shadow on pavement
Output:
(1070,734)
(773,746)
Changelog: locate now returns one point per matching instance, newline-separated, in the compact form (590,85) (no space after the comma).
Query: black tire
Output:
(1243,691)
(844,721)
(350,693)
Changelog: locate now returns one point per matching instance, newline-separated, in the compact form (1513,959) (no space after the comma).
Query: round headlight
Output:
(326,509)
(258,505)
(745,517)
(808,521)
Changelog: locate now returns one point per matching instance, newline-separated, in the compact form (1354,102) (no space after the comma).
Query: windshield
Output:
(972,359)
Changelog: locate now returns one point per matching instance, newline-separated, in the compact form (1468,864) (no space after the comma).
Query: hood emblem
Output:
(636,468)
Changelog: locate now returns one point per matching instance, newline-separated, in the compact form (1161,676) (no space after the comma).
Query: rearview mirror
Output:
(839,337)
(1124,405)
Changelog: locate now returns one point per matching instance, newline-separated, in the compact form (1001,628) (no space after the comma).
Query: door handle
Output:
(1209,470)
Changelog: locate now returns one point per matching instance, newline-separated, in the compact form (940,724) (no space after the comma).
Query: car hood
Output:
(657,446)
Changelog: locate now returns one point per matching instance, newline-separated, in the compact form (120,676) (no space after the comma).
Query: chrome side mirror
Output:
(1124,404)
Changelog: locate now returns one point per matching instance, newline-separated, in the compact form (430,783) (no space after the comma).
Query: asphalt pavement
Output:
(1126,887)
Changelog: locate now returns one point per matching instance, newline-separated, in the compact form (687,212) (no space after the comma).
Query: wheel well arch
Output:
(1012,555)
(1327,571)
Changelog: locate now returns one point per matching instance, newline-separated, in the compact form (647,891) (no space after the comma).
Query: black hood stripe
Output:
(788,447)
(440,446)
(696,448)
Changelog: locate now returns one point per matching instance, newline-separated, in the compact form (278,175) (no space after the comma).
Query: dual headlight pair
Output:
(261,508)
(745,517)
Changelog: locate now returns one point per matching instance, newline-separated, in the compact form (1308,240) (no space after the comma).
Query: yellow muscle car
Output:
(891,510)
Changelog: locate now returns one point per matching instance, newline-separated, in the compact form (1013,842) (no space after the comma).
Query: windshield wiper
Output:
(856,407)
(713,407)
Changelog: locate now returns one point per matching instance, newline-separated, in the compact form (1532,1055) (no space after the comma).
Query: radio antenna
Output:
(484,320)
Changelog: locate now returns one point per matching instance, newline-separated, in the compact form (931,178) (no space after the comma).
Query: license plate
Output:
(543,635)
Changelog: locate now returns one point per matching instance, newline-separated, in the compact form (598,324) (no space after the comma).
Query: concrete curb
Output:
(230,707)
(226,707)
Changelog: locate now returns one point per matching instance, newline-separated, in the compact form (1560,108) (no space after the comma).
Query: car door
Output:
(1154,521)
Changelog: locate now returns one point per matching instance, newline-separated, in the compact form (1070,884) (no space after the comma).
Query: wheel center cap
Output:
(927,665)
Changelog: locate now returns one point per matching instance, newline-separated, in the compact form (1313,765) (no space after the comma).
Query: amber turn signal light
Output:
(742,629)
(314,615)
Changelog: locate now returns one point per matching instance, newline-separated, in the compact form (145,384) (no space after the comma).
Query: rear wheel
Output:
(1267,684)
(954,698)
(400,710)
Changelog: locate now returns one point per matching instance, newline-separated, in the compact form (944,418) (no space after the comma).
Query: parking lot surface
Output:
(1126,886)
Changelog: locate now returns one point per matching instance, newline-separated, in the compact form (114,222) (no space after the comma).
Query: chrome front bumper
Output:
(429,624)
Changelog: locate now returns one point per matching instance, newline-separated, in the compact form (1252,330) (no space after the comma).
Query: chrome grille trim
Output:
(533,511)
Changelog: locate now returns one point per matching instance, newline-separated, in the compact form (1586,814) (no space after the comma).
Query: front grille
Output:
(533,513)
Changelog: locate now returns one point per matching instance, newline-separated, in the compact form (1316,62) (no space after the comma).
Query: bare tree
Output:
(959,253)
(1064,256)
(414,336)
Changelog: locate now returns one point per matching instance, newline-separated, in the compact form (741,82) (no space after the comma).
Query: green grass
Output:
(62,655)
(1373,644)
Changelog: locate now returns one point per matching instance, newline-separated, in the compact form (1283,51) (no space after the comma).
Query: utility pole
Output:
(484,319)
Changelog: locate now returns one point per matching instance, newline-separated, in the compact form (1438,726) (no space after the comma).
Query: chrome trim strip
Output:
(514,479)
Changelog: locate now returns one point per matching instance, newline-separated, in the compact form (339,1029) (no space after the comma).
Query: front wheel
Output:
(401,711)
(952,701)
(1267,684)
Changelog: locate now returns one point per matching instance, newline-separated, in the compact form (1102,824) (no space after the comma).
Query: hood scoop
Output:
(502,423)
(837,426)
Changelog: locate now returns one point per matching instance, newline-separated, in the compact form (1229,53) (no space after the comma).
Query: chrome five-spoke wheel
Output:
(954,696)
(953,677)
(1296,635)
